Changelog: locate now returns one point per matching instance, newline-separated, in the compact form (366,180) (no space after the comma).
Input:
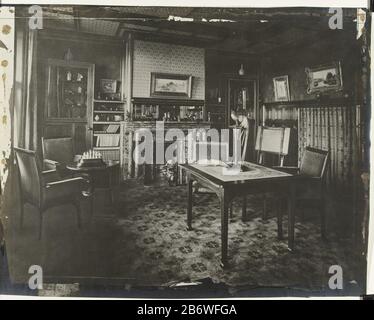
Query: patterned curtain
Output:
(336,129)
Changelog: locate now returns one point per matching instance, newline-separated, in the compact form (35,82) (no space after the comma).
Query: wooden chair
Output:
(313,168)
(57,153)
(44,189)
(271,141)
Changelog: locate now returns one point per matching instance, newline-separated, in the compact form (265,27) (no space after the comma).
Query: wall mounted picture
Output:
(324,78)
(108,86)
(281,88)
(171,85)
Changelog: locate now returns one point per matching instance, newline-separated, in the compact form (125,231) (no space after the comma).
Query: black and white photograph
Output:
(183,152)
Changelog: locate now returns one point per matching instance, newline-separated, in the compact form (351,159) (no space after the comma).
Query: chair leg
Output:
(91,199)
(21,213)
(323,220)
(41,212)
(280,220)
(77,206)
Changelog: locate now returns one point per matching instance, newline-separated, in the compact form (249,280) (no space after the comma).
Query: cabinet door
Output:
(78,131)
(69,101)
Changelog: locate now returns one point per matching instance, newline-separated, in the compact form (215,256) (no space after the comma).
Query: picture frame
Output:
(281,88)
(170,85)
(324,78)
(108,86)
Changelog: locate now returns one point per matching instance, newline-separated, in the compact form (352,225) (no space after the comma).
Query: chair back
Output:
(29,175)
(314,162)
(58,149)
(273,140)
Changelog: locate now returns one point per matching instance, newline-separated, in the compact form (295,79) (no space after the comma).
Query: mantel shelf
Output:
(108,111)
(324,102)
(167,101)
(109,101)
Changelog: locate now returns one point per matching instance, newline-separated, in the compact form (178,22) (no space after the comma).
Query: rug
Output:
(157,249)
(147,244)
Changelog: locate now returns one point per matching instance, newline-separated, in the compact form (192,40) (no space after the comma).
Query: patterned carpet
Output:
(147,244)
(157,249)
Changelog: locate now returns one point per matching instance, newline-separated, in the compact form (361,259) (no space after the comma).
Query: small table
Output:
(228,184)
(110,169)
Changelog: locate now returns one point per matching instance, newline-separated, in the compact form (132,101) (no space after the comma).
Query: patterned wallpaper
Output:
(167,58)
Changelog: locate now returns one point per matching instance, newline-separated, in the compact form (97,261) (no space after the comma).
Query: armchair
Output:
(45,189)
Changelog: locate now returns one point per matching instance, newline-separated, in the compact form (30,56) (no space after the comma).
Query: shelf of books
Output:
(107,117)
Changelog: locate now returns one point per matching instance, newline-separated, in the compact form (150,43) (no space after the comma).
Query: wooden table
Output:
(110,170)
(228,183)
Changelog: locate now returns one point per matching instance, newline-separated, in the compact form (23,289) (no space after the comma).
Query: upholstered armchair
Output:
(57,153)
(313,168)
(45,189)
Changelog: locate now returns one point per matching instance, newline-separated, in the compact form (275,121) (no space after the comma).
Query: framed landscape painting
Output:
(324,78)
(171,85)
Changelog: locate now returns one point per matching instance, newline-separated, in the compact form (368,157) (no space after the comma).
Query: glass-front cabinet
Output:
(69,101)
(242,98)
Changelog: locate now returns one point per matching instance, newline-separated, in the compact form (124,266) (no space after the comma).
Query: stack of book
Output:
(107,140)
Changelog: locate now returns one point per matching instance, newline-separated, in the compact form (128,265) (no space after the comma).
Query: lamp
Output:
(241,70)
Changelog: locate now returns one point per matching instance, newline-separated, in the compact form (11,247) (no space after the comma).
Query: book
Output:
(112,128)
(107,140)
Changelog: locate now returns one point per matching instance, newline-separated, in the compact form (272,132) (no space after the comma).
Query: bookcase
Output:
(106,124)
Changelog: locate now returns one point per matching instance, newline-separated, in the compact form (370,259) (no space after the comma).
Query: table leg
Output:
(189,203)
(279,219)
(244,209)
(291,217)
(224,229)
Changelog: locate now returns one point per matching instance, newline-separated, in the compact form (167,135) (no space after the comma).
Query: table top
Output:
(108,164)
(245,172)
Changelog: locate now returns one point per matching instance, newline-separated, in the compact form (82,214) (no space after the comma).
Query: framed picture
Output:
(108,86)
(324,78)
(171,85)
(281,88)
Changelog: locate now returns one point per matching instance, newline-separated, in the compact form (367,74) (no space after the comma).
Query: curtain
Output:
(336,129)
(26,104)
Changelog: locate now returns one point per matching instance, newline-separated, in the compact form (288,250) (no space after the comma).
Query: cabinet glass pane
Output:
(242,97)
(67,92)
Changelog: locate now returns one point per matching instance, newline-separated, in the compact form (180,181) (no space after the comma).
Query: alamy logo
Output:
(36,20)
(36,280)
(336,280)
(336,20)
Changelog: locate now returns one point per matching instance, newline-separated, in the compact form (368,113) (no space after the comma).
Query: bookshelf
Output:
(107,116)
